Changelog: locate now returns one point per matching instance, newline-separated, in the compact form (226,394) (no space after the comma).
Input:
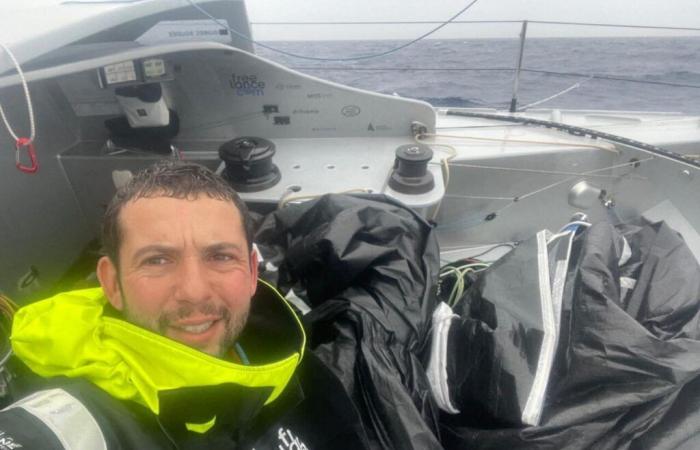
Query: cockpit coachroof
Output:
(39,28)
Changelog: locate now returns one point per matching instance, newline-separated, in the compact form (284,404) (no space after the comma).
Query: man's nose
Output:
(192,282)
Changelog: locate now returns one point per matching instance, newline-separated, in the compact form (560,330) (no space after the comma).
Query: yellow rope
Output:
(7,308)
(519,141)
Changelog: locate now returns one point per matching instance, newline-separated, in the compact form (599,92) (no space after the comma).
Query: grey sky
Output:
(674,13)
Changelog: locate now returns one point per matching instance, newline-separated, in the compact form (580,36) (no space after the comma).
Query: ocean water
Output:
(479,72)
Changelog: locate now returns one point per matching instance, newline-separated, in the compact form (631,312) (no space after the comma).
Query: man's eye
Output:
(222,257)
(156,261)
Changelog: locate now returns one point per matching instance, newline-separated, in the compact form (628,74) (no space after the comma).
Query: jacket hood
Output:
(71,335)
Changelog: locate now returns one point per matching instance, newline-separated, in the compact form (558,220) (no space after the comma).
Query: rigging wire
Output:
(545,188)
(430,22)
(314,58)
(519,198)
(402,69)
(611,78)
(537,171)
(385,22)
(612,25)
(445,162)
(477,197)
(500,69)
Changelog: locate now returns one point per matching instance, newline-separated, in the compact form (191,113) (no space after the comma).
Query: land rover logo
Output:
(350,110)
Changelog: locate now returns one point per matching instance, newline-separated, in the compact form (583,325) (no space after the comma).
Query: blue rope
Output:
(313,58)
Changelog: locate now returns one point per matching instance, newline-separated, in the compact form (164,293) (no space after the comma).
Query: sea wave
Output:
(472,78)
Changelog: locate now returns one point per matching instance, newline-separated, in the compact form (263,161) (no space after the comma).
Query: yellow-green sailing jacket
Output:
(104,383)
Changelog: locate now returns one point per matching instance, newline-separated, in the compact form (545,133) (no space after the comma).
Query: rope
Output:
(467,248)
(285,199)
(521,141)
(558,94)
(30,109)
(7,312)
(314,58)
(445,163)
(460,272)
(490,248)
(576,131)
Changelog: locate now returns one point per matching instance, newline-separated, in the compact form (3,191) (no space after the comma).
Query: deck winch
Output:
(410,174)
(249,166)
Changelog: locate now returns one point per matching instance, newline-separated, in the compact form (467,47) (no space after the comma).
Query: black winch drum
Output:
(249,166)
(410,174)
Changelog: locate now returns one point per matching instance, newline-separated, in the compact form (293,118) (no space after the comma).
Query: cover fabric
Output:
(627,365)
(368,268)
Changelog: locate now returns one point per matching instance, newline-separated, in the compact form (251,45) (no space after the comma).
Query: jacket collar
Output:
(70,335)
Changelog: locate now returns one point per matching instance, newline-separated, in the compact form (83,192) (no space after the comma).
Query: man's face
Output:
(184,270)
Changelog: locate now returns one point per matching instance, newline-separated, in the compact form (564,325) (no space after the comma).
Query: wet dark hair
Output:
(174,179)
